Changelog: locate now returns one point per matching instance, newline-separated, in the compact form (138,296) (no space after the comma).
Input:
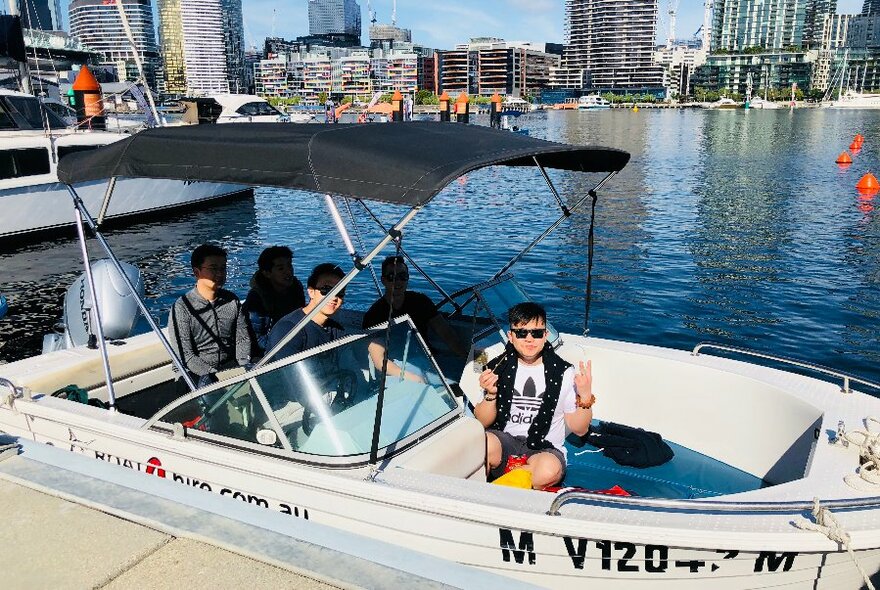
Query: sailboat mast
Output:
(23,73)
(137,60)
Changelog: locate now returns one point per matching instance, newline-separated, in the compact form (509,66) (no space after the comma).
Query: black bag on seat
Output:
(625,445)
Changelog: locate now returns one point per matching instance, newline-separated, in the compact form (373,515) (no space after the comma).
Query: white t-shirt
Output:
(528,392)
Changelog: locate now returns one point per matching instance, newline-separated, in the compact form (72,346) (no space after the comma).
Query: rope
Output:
(867,475)
(827,524)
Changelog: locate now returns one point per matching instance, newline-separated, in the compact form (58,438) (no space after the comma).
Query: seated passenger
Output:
(322,328)
(530,396)
(419,307)
(275,292)
(206,325)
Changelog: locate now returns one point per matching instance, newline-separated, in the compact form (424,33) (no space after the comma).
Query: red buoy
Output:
(859,138)
(844,158)
(855,146)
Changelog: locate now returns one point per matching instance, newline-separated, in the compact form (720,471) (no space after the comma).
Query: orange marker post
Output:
(495,111)
(445,105)
(462,108)
(89,100)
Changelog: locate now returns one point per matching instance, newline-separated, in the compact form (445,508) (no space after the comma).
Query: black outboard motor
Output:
(119,310)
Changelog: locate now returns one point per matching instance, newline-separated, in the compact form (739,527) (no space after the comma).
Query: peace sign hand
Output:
(583,384)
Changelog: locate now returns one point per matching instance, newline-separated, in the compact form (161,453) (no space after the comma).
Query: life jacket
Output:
(505,366)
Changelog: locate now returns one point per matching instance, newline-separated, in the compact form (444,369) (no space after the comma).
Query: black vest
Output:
(505,367)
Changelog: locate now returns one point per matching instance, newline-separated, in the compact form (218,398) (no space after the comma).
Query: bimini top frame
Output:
(403,163)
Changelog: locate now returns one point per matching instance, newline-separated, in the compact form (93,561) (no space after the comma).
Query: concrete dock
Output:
(73,522)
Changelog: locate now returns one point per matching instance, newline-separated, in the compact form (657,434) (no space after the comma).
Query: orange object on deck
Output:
(844,158)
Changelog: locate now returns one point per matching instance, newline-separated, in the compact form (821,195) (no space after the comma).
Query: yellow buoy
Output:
(517,478)
(635,108)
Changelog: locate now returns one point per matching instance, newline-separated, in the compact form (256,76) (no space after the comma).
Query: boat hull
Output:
(33,212)
(508,531)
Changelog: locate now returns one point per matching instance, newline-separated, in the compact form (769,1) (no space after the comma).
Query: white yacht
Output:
(592,102)
(724,103)
(759,103)
(32,141)
(231,108)
(854,100)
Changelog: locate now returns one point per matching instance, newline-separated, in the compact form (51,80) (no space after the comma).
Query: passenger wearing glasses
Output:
(530,396)
(419,307)
(323,328)
(206,325)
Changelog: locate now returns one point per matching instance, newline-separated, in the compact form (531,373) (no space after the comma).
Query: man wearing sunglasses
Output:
(323,328)
(530,396)
(419,307)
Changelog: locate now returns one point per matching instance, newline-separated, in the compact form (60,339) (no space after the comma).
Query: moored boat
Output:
(403,461)
(592,102)
(35,204)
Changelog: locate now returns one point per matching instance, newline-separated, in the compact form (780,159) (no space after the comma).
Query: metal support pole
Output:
(175,360)
(102,344)
(410,261)
(389,237)
(549,182)
(111,184)
(361,244)
(550,229)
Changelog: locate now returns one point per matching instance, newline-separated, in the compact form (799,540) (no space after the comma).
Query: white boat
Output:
(851,99)
(403,461)
(232,108)
(592,102)
(34,203)
(515,103)
(724,103)
(759,103)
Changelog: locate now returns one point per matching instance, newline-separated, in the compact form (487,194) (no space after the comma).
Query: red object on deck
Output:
(515,462)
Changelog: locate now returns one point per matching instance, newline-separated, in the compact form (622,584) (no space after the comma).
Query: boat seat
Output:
(83,366)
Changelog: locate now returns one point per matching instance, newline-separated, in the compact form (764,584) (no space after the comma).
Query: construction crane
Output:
(672,9)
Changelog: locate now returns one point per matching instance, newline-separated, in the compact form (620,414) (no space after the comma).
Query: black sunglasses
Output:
(523,332)
(324,290)
(401,276)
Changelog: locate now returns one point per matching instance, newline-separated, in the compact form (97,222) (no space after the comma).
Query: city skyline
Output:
(453,22)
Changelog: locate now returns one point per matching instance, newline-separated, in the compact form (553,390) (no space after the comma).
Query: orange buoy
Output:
(855,146)
(89,101)
(844,158)
(859,138)
(868,184)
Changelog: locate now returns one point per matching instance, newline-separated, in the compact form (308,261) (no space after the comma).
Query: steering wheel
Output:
(341,390)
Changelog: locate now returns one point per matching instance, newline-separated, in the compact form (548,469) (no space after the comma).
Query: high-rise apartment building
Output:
(871,7)
(98,25)
(193,47)
(40,14)
(769,24)
(610,45)
(233,34)
(329,17)
(487,65)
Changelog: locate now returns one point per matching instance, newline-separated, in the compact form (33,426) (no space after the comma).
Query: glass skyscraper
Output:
(40,14)
(98,25)
(193,47)
(233,34)
(770,24)
(328,17)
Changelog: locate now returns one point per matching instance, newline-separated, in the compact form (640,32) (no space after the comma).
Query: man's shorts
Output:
(516,445)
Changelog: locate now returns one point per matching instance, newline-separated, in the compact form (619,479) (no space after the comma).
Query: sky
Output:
(444,24)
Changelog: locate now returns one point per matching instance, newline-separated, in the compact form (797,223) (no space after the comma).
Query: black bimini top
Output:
(404,163)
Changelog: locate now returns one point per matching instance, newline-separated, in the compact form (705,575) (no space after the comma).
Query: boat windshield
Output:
(323,401)
(486,304)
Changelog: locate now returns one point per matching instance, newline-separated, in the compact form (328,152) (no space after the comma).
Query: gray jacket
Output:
(209,335)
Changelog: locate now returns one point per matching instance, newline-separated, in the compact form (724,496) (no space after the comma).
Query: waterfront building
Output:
(41,15)
(252,57)
(233,39)
(270,78)
(99,26)
(193,47)
(859,61)
(335,17)
(317,73)
(771,69)
(380,33)
(741,24)
(609,46)
(427,73)
(831,42)
(679,60)
(488,65)
(354,77)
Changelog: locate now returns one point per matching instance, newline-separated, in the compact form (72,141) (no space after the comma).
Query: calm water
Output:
(726,226)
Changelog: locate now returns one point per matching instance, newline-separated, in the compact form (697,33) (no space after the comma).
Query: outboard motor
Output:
(119,310)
